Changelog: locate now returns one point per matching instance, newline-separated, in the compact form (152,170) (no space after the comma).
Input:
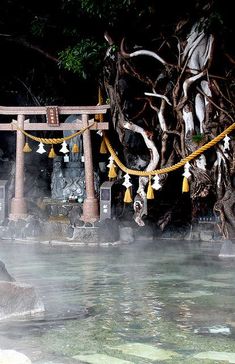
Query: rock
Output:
(17,228)
(4,275)
(88,224)
(126,234)
(206,235)
(219,329)
(74,215)
(227,250)
(143,233)
(18,299)
(69,231)
(13,357)
(108,230)
(33,228)
(86,234)
(193,235)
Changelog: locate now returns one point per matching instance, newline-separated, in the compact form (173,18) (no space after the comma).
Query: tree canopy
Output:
(49,47)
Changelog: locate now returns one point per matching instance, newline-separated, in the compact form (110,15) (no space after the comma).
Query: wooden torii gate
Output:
(18,207)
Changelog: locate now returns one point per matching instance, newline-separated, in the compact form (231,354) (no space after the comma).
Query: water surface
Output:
(143,303)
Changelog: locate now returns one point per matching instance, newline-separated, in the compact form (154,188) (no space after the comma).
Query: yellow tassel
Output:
(52,153)
(103,148)
(112,171)
(27,148)
(127,196)
(75,148)
(185,186)
(150,192)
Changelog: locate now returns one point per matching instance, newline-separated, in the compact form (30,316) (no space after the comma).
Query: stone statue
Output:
(57,180)
(68,178)
(73,157)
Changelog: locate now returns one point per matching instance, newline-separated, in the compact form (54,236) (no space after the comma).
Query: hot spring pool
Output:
(144,303)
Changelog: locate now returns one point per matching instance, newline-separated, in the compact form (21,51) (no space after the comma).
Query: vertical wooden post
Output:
(18,203)
(90,205)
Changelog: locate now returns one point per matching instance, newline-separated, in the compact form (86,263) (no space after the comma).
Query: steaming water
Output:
(145,303)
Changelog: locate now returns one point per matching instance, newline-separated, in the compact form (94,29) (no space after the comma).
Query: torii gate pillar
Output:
(90,204)
(18,203)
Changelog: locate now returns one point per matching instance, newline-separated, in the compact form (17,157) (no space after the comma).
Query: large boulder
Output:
(4,275)
(16,298)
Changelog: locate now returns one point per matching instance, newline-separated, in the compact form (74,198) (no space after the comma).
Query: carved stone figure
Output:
(57,180)
(73,157)
(68,179)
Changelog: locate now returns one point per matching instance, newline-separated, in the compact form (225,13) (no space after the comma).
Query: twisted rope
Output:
(171,168)
(54,140)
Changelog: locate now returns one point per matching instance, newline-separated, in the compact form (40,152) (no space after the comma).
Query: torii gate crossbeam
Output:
(18,203)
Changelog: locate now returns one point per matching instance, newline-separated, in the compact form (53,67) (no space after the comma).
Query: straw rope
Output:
(171,168)
(54,140)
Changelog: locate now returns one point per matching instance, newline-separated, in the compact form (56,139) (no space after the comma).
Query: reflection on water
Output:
(136,304)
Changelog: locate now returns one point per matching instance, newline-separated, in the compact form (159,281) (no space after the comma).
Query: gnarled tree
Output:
(177,97)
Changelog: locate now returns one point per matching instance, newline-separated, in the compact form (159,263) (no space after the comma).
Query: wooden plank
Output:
(63,110)
(63,126)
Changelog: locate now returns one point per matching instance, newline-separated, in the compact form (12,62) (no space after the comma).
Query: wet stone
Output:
(215,330)
(33,228)
(18,299)
(206,235)
(108,230)
(147,351)
(79,223)
(69,232)
(86,234)
(227,250)
(101,358)
(217,355)
(88,224)
(5,232)
(126,234)
(74,216)
(13,357)
(4,275)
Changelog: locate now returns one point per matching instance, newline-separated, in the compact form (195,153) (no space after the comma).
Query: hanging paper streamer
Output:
(127,184)
(27,148)
(186,174)
(112,169)
(66,158)
(156,184)
(52,153)
(41,148)
(100,133)
(226,143)
(75,148)
(64,148)
(150,192)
